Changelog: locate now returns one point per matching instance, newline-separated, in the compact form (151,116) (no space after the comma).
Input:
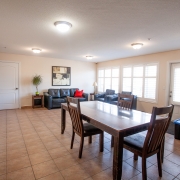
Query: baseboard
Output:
(26,107)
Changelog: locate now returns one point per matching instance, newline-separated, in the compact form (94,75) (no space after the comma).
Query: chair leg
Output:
(101,142)
(159,163)
(135,157)
(144,172)
(81,147)
(90,139)
(72,139)
(112,141)
(162,150)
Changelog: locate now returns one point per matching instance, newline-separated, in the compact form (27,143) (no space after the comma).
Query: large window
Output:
(108,79)
(141,81)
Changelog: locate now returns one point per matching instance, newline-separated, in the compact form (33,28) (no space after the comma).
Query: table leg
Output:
(118,157)
(63,120)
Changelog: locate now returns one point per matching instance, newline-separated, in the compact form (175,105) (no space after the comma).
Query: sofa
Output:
(54,97)
(103,96)
(111,97)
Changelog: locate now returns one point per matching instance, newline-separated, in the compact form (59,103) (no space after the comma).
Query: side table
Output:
(37,101)
(91,96)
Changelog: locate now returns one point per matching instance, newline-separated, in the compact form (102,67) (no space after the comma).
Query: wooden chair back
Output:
(125,100)
(159,123)
(75,114)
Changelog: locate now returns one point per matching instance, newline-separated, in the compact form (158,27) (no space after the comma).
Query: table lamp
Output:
(95,85)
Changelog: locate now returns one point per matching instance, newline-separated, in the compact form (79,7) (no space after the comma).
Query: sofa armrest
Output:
(96,96)
(110,98)
(85,95)
(47,100)
(134,105)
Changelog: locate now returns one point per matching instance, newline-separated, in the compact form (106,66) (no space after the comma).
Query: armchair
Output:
(103,96)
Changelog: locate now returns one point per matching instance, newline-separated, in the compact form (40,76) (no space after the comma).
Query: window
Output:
(141,81)
(108,79)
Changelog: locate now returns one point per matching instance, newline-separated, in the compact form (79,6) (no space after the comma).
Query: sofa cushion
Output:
(72,91)
(78,93)
(81,98)
(55,93)
(110,92)
(65,92)
(56,102)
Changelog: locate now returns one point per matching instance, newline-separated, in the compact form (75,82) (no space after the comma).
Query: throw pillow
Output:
(78,93)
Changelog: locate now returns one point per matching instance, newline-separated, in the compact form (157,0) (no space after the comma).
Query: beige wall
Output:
(163,59)
(83,74)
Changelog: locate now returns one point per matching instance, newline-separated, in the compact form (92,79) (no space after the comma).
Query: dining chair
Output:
(125,101)
(80,128)
(152,142)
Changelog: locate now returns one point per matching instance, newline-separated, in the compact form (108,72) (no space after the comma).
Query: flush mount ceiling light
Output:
(137,45)
(35,50)
(89,57)
(63,26)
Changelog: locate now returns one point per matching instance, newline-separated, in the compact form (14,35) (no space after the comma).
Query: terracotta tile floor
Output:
(32,147)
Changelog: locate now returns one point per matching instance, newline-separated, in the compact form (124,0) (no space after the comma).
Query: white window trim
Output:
(104,68)
(157,81)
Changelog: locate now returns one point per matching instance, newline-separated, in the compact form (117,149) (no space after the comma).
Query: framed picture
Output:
(61,76)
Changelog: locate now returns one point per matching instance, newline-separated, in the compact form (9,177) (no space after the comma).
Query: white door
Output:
(174,97)
(9,89)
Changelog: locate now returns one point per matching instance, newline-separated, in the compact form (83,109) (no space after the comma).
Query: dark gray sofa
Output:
(103,96)
(54,97)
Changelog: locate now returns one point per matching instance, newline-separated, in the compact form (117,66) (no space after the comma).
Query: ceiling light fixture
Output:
(63,26)
(137,45)
(89,57)
(36,50)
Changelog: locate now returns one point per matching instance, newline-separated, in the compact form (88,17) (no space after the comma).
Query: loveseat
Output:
(54,97)
(103,96)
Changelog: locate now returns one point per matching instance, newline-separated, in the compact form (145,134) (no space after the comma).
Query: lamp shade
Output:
(95,83)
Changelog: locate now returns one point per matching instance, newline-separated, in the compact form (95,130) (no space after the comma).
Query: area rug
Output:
(171,128)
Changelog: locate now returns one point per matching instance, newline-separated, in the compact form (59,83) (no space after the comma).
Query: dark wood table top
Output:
(112,118)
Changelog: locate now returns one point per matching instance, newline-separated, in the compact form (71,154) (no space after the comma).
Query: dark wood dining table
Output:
(113,120)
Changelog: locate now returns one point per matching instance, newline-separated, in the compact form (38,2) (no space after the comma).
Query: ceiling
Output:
(104,29)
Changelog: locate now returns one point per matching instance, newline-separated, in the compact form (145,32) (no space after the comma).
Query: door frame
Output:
(168,77)
(19,75)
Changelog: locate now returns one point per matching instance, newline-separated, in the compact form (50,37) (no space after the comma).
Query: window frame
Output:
(143,83)
(105,68)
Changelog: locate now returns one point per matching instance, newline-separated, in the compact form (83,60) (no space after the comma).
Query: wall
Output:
(83,74)
(163,59)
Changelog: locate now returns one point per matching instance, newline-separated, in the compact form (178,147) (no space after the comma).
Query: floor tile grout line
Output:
(63,145)
(25,145)
(44,146)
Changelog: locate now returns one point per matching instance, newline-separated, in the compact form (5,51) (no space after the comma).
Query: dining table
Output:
(114,120)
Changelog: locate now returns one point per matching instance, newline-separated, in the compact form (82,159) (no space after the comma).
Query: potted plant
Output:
(37,79)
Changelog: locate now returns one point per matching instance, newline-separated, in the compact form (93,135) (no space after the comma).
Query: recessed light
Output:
(36,50)
(137,45)
(89,57)
(63,26)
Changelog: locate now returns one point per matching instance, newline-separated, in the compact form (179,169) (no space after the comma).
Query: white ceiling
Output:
(104,29)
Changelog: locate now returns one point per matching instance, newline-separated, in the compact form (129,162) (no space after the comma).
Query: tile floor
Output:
(32,147)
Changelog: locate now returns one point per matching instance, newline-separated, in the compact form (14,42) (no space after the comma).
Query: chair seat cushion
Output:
(135,141)
(90,128)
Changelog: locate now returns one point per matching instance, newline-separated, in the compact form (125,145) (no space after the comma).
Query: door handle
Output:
(16,88)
